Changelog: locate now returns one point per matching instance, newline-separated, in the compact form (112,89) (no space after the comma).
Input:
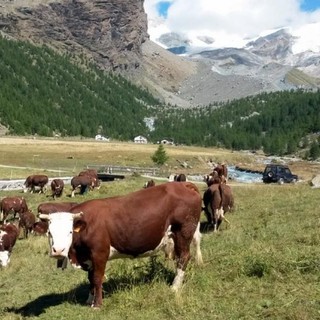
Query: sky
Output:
(235,22)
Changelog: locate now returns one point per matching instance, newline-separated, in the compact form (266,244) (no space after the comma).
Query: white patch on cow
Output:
(60,233)
(178,280)
(4,258)
(196,242)
(165,244)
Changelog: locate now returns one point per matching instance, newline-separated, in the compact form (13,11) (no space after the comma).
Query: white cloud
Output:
(229,22)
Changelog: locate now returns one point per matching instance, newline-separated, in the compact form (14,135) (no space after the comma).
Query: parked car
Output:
(278,173)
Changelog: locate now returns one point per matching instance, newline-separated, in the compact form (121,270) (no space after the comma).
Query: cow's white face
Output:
(4,258)
(60,233)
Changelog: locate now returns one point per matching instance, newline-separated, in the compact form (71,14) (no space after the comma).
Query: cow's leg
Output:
(96,277)
(217,221)
(182,240)
(196,242)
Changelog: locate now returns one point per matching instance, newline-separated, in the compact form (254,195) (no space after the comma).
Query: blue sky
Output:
(310,5)
(233,22)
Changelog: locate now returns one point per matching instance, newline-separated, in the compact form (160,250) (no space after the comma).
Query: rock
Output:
(315,182)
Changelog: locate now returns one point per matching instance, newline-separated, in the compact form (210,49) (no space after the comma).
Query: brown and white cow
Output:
(8,235)
(149,184)
(12,204)
(180,177)
(84,183)
(222,171)
(57,186)
(218,200)
(131,226)
(36,181)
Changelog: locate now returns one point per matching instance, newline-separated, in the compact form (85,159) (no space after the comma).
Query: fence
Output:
(112,169)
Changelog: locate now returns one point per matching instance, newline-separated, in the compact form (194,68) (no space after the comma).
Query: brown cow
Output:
(50,207)
(222,170)
(8,236)
(36,181)
(40,228)
(134,225)
(149,184)
(14,205)
(57,186)
(91,173)
(26,222)
(85,183)
(218,200)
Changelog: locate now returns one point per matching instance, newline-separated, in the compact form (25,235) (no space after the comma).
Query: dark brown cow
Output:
(85,183)
(40,228)
(8,236)
(36,181)
(133,226)
(14,205)
(149,184)
(218,200)
(57,186)
(91,173)
(26,222)
(50,207)
(180,177)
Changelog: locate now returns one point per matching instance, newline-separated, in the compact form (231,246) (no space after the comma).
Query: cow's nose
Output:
(57,251)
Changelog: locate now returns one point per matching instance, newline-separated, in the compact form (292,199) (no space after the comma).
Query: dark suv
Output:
(278,173)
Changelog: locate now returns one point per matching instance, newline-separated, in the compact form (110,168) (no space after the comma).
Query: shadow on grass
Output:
(79,295)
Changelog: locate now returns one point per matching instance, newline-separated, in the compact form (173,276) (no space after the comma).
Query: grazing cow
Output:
(57,186)
(26,221)
(180,177)
(218,200)
(85,183)
(135,225)
(36,181)
(14,205)
(40,228)
(149,184)
(91,173)
(8,236)
(51,207)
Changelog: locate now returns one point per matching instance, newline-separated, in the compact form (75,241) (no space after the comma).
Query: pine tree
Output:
(160,156)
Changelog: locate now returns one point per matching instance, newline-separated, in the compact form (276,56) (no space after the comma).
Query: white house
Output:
(99,137)
(140,139)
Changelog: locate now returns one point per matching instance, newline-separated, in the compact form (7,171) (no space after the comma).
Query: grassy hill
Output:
(47,94)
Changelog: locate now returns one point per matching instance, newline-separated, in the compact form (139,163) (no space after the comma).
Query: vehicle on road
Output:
(278,173)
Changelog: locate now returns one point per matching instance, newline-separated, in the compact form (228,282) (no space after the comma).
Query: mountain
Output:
(113,34)
(267,63)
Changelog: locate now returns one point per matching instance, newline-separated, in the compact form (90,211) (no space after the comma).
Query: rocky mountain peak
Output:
(109,31)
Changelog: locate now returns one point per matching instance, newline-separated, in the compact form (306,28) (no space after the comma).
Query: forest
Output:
(46,93)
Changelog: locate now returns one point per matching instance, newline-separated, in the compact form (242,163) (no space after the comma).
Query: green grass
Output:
(266,264)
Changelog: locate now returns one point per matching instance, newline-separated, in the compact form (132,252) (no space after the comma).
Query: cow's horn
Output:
(77,215)
(44,216)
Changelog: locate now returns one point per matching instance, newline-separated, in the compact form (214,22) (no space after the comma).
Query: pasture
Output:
(265,264)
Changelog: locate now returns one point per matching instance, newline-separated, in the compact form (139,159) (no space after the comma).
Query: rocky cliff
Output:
(109,31)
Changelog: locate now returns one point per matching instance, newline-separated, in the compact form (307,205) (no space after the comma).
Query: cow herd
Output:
(88,234)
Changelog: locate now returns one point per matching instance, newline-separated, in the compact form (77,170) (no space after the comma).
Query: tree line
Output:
(46,93)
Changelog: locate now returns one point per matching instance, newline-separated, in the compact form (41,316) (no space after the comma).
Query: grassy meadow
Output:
(264,265)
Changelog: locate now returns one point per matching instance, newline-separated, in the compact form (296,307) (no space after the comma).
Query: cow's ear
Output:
(79,225)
